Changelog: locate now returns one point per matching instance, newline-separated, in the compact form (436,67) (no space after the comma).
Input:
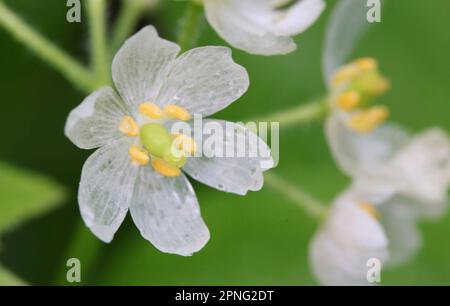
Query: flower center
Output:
(168,152)
(358,84)
(368,120)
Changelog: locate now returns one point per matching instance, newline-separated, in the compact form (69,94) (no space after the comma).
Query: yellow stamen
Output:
(176,112)
(185,144)
(129,127)
(367,121)
(381,87)
(164,168)
(138,156)
(150,110)
(367,63)
(370,209)
(349,100)
(345,74)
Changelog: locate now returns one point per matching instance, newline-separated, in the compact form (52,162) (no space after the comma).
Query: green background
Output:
(259,239)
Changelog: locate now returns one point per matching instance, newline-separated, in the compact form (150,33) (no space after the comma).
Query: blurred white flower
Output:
(156,88)
(354,86)
(398,179)
(389,161)
(262,27)
(380,157)
(353,89)
(349,237)
(358,229)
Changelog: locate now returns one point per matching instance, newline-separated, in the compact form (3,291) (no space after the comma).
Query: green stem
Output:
(302,114)
(131,11)
(190,26)
(47,51)
(96,10)
(302,198)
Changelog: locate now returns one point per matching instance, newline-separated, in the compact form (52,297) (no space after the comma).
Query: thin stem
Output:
(96,10)
(302,198)
(46,50)
(190,26)
(302,114)
(131,11)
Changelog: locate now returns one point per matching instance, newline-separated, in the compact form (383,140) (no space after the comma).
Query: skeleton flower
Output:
(397,180)
(350,236)
(135,167)
(389,161)
(361,228)
(352,87)
(262,27)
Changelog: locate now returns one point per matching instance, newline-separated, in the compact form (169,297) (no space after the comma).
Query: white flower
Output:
(357,230)
(354,86)
(379,156)
(133,169)
(397,179)
(262,27)
(389,161)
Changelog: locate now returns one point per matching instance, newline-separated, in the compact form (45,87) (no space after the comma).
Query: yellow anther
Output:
(367,121)
(370,209)
(150,110)
(345,74)
(381,86)
(349,100)
(129,127)
(177,112)
(367,63)
(185,144)
(138,156)
(165,169)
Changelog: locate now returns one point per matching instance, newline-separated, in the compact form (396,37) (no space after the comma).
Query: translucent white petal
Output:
(297,18)
(238,22)
(106,189)
(139,67)
(424,163)
(95,122)
(232,172)
(341,249)
(204,81)
(363,154)
(399,217)
(167,213)
(347,25)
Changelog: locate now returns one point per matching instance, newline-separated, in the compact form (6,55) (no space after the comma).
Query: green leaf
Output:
(7,278)
(25,195)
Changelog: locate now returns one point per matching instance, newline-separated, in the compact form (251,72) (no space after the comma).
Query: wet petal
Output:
(204,81)
(139,67)
(106,189)
(95,122)
(167,213)
(239,168)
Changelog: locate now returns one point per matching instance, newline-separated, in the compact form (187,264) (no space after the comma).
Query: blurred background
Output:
(260,239)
